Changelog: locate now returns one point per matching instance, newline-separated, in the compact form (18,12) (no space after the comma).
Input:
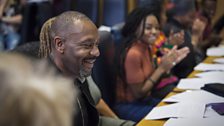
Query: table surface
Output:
(161,122)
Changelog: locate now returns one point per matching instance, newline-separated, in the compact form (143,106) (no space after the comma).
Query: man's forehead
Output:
(84,37)
(78,26)
(75,27)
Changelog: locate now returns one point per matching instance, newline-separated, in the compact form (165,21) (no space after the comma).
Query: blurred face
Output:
(188,19)
(152,29)
(81,48)
(210,7)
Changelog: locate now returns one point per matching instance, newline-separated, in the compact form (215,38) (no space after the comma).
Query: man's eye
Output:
(88,45)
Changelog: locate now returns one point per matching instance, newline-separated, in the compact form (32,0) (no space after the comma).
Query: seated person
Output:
(139,78)
(107,117)
(203,36)
(35,96)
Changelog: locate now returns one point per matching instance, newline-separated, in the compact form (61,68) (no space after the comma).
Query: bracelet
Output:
(153,82)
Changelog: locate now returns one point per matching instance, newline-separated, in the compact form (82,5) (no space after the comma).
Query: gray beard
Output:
(83,74)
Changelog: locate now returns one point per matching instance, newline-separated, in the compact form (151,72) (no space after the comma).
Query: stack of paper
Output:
(197,83)
(217,121)
(219,60)
(215,51)
(183,110)
(209,67)
(197,96)
(212,74)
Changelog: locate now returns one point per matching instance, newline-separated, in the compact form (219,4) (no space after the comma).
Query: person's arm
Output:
(2,6)
(140,86)
(101,106)
(135,75)
(197,32)
(105,110)
(17,19)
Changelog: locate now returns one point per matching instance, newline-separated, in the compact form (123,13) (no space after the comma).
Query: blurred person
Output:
(203,36)
(181,15)
(36,96)
(197,34)
(77,39)
(174,38)
(164,42)
(140,80)
(219,24)
(206,14)
(10,21)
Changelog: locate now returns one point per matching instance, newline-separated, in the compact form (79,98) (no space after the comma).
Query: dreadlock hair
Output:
(45,41)
(135,20)
(57,26)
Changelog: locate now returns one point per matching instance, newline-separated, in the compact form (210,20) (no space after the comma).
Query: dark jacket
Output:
(185,67)
(86,113)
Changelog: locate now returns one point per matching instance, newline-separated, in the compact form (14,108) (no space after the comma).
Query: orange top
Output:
(138,66)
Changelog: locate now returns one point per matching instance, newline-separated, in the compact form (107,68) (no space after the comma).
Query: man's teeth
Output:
(90,61)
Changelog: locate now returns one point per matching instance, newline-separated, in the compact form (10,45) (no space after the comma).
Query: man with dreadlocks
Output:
(84,43)
(140,78)
(72,48)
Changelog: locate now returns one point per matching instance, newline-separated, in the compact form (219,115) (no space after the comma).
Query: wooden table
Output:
(161,122)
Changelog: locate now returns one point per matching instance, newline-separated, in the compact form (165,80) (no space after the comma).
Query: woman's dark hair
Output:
(132,23)
(138,15)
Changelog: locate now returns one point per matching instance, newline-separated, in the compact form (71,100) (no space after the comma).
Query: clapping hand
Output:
(173,57)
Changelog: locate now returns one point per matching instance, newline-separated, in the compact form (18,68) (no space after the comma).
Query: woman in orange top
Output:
(139,77)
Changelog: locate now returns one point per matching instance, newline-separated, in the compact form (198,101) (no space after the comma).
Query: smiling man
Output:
(75,40)
(74,49)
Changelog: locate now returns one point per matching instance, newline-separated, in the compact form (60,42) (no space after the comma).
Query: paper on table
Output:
(215,51)
(183,110)
(219,60)
(196,96)
(197,83)
(216,121)
(211,74)
(209,67)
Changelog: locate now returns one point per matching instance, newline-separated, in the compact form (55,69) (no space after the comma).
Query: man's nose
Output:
(95,51)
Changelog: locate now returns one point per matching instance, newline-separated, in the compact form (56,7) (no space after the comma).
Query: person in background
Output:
(218,27)
(181,14)
(36,96)
(164,43)
(206,13)
(10,21)
(202,35)
(139,77)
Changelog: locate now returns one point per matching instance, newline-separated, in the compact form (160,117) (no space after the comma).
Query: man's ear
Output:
(59,44)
